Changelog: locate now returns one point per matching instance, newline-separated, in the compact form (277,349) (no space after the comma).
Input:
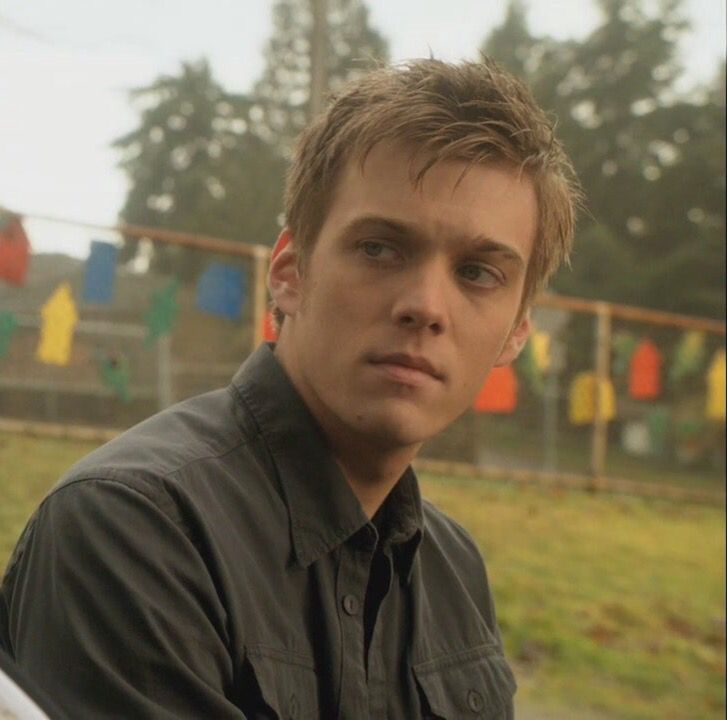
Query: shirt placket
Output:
(377,675)
(351,593)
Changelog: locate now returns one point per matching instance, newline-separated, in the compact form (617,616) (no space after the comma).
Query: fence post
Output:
(603,361)
(259,295)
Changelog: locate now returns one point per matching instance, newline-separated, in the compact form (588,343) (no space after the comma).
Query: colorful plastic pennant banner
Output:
(59,321)
(624,345)
(163,311)
(540,345)
(645,372)
(8,324)
(582,399)
(270,330)
(690,355)
(658,421)
(499,391)
(98,282)
(14,249)
(534,360)
(114,372)
(220,291)
(716,387)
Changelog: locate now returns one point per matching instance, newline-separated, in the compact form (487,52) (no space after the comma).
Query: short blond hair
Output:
(472,111)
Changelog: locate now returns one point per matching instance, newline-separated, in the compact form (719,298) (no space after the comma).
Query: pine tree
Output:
(651,162)
(281,108)
(193,165)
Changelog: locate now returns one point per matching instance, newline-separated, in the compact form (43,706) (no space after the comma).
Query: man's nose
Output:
(422,299)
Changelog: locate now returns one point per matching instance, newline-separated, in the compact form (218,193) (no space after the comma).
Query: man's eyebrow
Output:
(377,222)
(478,243)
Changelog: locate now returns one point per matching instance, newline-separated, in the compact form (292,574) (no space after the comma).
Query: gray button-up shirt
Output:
(212,562)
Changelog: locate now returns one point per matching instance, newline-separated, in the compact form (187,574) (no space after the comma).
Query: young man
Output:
(263,551)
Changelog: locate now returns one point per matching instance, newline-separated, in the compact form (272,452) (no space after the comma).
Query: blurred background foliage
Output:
(651,158)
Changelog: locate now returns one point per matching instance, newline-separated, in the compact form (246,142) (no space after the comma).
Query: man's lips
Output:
(407,367)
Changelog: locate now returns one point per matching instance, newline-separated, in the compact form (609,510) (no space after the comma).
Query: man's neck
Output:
(371,472)
(371,467)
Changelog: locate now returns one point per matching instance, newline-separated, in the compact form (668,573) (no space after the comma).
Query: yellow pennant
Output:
(541,350)
(56,333)
(716,387)
(582,399)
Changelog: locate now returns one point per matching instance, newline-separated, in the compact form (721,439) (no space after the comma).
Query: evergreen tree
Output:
(281,109)
(193,165)
(651,163)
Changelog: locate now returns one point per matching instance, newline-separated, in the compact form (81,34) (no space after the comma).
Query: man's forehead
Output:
(416,161)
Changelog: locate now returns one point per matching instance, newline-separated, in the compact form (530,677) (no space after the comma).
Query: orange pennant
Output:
(499,392)
(14,251)
(645,372)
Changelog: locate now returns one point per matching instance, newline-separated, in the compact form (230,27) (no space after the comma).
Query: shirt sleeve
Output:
(112,610)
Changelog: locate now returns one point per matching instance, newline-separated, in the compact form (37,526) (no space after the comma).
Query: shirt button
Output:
(474,701)
(350,604)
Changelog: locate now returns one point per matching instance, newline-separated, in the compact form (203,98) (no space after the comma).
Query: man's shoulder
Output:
(187,439)
(444,535)
(446,540)
(451,560)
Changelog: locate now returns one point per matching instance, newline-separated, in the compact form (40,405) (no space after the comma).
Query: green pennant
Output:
(658,421)
(527,364)
(163,311)
(114,373)
(8,324)
(690,356)
(623,344)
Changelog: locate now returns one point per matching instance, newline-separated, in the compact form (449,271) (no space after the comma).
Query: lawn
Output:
(611,607)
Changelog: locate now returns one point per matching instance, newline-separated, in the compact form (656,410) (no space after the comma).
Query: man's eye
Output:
(482,275)
(378,250)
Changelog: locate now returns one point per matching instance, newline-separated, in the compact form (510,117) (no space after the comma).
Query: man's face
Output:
(410,296)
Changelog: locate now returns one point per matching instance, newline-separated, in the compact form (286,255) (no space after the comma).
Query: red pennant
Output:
(499,392)
(270,331)
(645,372)
(14,251)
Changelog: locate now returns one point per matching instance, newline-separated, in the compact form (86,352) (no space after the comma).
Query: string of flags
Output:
(163,311)
(645,372)
(98,280)
(221,290)
(14,249)
(582,399)
(8,325)
(114,373)
(499,392)
(643,363)
(59,316)
(715,409)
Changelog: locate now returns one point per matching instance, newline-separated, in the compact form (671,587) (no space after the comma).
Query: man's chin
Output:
(392,432)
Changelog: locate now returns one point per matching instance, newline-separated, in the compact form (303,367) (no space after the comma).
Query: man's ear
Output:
(516,341)
(283,275)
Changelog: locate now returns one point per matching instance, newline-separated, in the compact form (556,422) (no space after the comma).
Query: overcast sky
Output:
(65,68)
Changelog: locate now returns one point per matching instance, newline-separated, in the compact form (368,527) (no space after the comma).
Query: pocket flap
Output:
(474,683)
(287,682)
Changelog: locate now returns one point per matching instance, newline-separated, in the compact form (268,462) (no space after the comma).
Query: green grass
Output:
(611,607)
(28,468)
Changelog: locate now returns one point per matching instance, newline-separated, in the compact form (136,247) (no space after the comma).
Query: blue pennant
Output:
(220,291)
(98,283)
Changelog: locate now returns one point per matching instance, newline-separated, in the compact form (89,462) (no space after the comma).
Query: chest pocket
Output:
(287,683)
(474,683)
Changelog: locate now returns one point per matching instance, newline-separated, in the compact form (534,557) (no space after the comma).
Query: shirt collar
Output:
(323,510)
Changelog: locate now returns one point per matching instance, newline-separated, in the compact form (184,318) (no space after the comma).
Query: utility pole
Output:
(318,56)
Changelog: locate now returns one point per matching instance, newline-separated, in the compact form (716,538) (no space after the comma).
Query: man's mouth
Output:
(409,369)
